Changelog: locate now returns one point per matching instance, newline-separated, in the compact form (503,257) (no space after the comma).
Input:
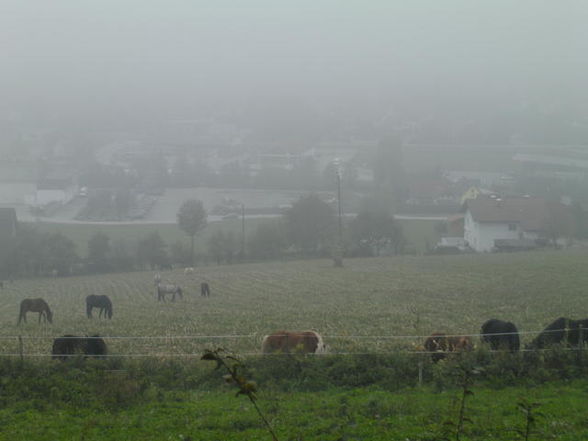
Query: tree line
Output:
(308,229)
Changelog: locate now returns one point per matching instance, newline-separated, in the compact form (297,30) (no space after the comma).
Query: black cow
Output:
(562,330)
(71,345)
(501,335)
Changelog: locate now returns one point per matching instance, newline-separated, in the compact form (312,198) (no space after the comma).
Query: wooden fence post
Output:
(20,348)
(420,373)
(581,345)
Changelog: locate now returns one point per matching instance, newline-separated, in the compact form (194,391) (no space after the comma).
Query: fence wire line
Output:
(380,337)
(275,354)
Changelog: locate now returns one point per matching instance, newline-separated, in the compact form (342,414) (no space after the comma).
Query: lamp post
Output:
(338,255)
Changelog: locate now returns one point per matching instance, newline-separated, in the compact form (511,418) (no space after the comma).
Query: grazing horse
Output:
(188,270)
(440,344)
(204,290)
(102,302)
(71,345)
(35,305)
(306,342)
(162,290)
(562,330)
(501,335)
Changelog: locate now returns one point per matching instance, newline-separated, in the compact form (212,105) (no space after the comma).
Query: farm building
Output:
(56,187)
(492,223)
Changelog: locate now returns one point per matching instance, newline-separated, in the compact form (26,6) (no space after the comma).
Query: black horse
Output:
(501,335)
(562,330)
(71,345)
(204,289)
(102,302)
(35,305)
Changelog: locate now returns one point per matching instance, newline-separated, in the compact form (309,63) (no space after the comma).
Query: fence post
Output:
(581,344)
(20,348)
(420,373)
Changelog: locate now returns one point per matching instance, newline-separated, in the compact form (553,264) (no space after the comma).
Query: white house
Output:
(492,223)
(55,188)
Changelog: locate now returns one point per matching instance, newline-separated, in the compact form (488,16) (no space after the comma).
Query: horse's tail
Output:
(88,308)
(22,313)
(48,314)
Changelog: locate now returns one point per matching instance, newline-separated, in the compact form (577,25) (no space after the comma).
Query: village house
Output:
(492,223)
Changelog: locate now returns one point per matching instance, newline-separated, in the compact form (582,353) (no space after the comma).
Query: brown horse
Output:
(439,344)
(35,305)
(306,342)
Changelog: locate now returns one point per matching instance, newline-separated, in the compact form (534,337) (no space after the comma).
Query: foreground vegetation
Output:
(163,400)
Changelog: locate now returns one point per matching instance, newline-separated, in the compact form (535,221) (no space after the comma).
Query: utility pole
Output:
(338,255)
(242,231)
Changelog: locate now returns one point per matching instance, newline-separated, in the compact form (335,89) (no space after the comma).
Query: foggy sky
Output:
(81,60)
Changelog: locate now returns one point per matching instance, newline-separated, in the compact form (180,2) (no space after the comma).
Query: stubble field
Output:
(363,307)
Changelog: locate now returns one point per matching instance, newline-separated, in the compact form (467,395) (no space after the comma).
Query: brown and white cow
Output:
(305,342)
(439,344)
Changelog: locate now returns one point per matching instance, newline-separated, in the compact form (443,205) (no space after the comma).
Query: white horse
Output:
(188,270)
(162,290)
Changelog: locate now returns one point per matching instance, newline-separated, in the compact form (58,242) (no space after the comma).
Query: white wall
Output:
(481,236)
(46,196)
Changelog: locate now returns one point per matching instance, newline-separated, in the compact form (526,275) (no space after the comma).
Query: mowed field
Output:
(363,307)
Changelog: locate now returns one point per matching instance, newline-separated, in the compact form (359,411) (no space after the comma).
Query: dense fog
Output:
(283,69)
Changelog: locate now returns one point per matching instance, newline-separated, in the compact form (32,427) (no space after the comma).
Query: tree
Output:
(59,253)
(98,251)
(377,230)
(215,246)
(222,246)
(268,241)
(310,223)
(191,219)
(151,250)
(179,253)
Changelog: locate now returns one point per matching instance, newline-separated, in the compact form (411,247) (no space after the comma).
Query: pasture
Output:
(362,307)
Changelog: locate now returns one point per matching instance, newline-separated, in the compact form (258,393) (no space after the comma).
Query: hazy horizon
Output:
(132,62)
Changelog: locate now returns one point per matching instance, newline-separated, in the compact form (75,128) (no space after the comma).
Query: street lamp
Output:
(338,255)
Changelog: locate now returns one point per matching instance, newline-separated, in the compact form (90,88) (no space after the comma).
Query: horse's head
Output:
(49,316)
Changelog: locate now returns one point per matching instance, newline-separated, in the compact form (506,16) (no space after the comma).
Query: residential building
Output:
(492,223)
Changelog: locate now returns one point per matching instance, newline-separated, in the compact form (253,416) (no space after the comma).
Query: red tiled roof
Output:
(532,213)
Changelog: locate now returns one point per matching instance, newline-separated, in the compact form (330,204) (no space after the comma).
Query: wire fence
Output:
(190,353)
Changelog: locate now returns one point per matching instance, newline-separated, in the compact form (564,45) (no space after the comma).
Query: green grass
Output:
(356,414)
